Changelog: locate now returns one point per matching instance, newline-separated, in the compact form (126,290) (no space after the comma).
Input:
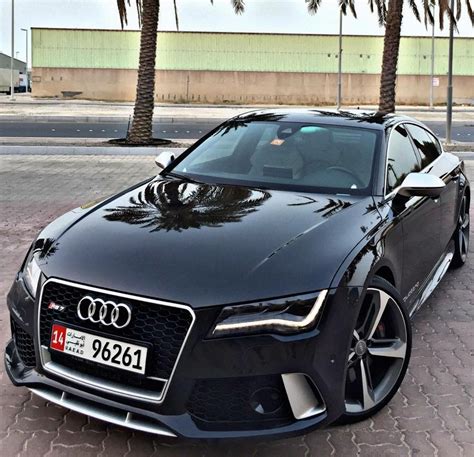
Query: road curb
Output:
(110,119)
(459,147)
(85,150)
(72,142)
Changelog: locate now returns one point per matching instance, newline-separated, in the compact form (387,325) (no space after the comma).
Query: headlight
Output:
(286,316)
(31,274)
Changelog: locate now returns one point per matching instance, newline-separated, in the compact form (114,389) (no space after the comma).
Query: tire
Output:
(380,352)
(461,235)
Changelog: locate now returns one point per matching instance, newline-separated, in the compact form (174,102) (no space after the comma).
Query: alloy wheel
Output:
(377,354)
(464,228)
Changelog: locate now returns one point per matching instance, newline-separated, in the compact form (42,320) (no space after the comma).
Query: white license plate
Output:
(102,350)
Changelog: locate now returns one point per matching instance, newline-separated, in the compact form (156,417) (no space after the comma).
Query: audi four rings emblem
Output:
(105,312)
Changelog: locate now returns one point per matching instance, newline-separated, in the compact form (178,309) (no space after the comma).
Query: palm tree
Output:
(391,16)
(141,131)
(148,12)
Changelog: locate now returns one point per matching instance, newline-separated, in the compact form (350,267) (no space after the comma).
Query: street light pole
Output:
(432,63)
(449,107)
(339,75)
(12,58)
(26,61)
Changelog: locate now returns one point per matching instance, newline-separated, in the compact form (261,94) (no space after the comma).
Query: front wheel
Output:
(461,237)
(379,354)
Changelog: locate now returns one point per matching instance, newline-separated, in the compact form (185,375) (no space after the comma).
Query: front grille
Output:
(161,328)
(24,345)
(220,403)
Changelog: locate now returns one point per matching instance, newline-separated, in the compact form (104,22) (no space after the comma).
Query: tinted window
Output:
(427,146)
(286,155)
(401,159)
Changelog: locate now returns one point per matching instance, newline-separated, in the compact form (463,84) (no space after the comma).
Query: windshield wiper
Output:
(180,176)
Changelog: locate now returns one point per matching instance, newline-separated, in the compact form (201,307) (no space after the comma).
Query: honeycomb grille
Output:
(162,328)
(24,345)
(219,403)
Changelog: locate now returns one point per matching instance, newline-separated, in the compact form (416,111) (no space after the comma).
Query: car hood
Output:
(208,244)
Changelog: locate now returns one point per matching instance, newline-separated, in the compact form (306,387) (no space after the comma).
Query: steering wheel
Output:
(358,182)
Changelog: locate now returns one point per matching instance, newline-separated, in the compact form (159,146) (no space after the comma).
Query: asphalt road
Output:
(463,131)
(181,130)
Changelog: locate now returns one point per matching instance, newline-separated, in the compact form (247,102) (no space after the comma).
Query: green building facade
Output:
(200,54)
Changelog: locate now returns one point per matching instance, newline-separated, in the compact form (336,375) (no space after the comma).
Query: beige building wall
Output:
(245,87)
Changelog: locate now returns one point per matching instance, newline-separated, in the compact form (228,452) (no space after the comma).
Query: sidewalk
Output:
(38,109)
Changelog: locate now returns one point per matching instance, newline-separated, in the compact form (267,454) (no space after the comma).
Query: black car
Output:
(261,285)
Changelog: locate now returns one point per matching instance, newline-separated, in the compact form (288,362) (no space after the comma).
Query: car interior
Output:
(291,153)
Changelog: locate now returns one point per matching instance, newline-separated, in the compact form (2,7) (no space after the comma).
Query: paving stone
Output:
(38,444)
(13,442)
(431,415)
(419,443)
(385,450)
(445,443)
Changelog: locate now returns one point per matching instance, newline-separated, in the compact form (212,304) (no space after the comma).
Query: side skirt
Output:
(433,279)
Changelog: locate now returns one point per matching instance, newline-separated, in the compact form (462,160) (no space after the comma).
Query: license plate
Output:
(102,350)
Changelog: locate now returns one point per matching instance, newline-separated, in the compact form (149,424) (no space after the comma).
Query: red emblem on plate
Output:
(58,337)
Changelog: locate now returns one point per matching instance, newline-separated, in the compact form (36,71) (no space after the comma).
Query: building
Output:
(243,67)
(19,74)
(5,62)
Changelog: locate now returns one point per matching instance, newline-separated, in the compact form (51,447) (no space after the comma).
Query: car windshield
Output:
(285,155)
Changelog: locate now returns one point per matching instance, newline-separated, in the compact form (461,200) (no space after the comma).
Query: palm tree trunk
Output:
(141,130)
(391,46)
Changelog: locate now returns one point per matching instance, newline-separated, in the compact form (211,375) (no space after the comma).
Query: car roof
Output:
(361,118)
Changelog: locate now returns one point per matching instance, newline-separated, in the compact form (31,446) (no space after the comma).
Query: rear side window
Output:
(427,145)
(401,158)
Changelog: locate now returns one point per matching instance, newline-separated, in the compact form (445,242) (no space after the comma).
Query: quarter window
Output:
(401,158)
(427,146)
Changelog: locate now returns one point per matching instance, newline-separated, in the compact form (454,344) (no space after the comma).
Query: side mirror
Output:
(164,159)
(421,185)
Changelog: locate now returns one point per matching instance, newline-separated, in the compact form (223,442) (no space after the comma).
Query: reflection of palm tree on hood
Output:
(178,205)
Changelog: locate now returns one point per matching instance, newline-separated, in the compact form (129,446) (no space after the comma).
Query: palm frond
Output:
(352,8)
(428,8)
(381,7)
(313,5)
(122,6)
(445,10)
(414,8)
(122,9)
(238,5)
(344,4)
(470,11)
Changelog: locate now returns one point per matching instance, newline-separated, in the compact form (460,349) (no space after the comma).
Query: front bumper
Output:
(217,383)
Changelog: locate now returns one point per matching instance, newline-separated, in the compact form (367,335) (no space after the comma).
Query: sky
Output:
(274,16)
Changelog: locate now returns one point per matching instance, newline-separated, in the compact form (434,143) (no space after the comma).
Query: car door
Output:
(441,166)
(419,216)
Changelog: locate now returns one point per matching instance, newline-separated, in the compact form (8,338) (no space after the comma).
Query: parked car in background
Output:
(24,84)
(263,284)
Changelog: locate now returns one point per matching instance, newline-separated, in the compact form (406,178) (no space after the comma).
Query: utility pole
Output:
(339,75)
(432,63)
(12,58)
(449,107)
(26,61)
